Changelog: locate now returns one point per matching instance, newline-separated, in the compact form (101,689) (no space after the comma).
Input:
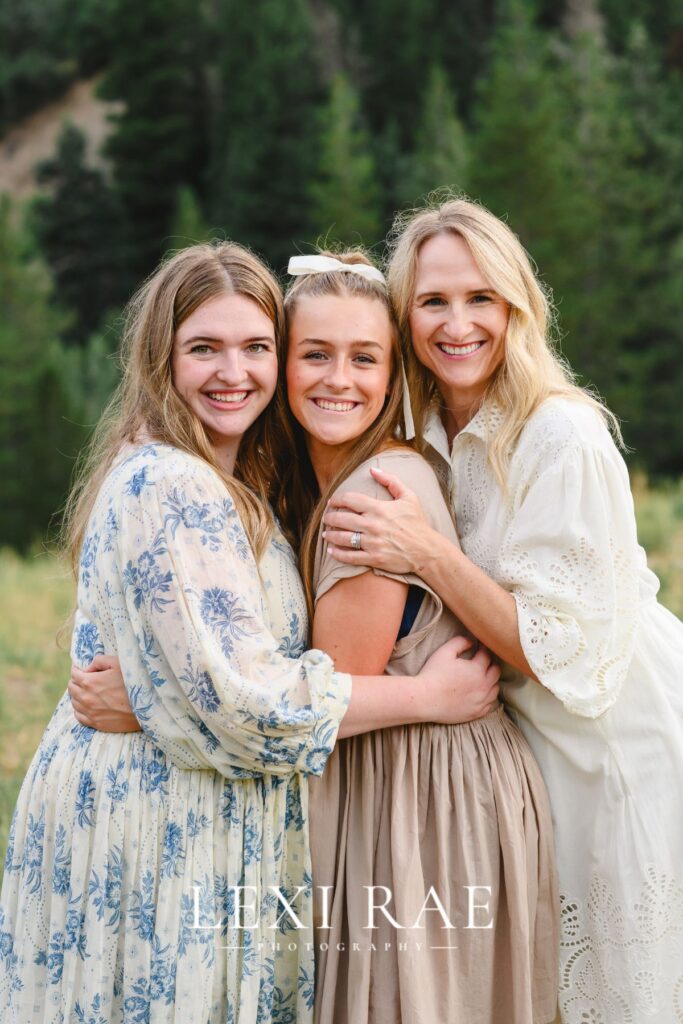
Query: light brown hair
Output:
(146,402)
(300,503)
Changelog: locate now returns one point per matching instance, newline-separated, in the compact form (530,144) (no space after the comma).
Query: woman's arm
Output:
(397,537)
(449,689)
(204,674)
(357,622)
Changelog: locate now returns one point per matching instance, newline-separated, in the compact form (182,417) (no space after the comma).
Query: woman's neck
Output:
(326,460)
(459,409)
(226,449)
(226,457)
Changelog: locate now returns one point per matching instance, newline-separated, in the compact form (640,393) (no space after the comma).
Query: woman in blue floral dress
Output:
(163,875)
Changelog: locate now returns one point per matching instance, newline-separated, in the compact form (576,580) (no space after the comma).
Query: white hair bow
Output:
(299,265)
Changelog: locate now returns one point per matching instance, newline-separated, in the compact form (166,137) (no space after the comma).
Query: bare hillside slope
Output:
(35,138)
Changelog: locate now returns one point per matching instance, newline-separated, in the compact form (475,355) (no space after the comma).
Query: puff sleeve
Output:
(571,559)
(204,675)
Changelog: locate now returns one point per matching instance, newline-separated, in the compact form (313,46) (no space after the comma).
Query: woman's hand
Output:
(99,698)
(458,689)
(394,535)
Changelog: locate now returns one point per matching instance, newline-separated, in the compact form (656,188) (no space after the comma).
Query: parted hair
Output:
(300,503)
(147,405)
(532,368)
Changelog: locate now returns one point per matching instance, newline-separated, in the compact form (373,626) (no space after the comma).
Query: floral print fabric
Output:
(133,858)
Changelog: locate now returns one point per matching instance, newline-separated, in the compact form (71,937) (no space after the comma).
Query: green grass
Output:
(37,595)
(660,530)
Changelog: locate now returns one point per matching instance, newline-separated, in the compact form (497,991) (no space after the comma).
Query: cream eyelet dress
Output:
(606,726)
(428,811)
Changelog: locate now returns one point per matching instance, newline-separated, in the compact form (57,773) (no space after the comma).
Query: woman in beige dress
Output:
(447,828)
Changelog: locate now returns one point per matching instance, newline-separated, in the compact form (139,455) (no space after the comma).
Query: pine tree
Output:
(159,142)
(440,155)
(264,129)
(78,227)
(630,151)
(34,65)
(39,437)
(189,225)
(345,197)
(521,162)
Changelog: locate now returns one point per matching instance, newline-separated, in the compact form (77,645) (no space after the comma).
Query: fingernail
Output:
(324,534)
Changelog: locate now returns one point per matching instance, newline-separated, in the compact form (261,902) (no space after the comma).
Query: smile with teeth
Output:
(329,406)
(228,398)
(460,350)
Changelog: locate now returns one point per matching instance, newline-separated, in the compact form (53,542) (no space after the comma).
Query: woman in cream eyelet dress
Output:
(548,574)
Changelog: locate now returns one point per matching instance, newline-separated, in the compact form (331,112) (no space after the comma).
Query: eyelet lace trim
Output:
(623,964)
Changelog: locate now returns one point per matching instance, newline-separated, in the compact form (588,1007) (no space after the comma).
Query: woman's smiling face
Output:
(457,321)
(339,363)
(225,367)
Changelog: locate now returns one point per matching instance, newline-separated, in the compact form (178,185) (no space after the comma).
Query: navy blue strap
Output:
(413,605)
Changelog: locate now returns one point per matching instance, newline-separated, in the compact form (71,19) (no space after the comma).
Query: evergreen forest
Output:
(284,123)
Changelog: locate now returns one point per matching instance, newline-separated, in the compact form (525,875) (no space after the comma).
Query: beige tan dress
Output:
(454,823)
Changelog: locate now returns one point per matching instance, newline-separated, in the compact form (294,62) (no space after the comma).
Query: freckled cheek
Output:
(296,383)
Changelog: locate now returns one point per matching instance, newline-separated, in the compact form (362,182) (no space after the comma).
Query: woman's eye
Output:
(200,349)
(480,299)
(362,358)
(315,355)
(433,300)
(257,346)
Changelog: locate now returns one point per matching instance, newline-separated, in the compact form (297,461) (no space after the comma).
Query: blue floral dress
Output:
(149,875)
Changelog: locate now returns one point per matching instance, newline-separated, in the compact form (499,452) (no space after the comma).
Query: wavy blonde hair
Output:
(300,503)
(532,369)
(146,402)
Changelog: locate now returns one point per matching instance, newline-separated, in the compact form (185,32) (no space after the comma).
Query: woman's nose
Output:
(337,375)
(458,322)
(231,367)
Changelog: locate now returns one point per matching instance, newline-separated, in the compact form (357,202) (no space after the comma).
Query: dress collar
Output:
(482,425)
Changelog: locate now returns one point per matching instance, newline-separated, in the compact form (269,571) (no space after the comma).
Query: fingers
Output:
(78,676)
(342,519)
(79,708)
(354,502)
(483,659)
(340,539)
(461,644)
(396,487)
(83,719)
(347,555)
(101,662)
(494,672)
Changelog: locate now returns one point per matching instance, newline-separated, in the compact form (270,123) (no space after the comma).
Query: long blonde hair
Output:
(532,369)
(147,403)
(300,503)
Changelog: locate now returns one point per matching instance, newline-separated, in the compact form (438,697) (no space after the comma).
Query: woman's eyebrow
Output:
(216,340)
(322,341)
(429,292)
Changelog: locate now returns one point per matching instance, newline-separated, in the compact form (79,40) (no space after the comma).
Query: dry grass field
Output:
(36,599)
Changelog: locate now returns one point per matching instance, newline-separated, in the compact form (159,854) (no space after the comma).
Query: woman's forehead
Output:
(444,260)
